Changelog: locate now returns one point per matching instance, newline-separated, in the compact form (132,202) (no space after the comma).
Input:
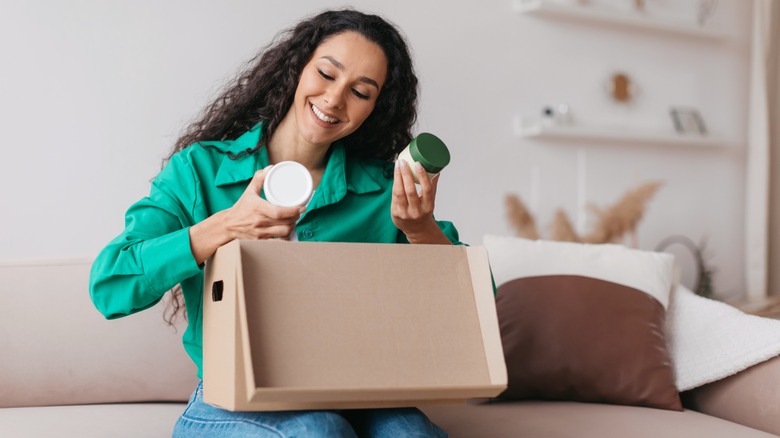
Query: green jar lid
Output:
(430,151)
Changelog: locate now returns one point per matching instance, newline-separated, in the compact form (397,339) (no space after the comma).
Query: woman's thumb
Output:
(256,184)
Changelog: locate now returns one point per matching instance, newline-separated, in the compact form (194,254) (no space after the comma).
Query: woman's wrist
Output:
(430,234)
(207,236)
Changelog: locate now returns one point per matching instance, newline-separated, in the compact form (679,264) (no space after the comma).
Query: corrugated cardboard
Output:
(293,325)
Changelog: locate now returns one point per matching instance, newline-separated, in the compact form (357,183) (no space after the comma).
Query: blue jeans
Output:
(201,419)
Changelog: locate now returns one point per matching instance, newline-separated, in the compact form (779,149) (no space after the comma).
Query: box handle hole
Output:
(216,290)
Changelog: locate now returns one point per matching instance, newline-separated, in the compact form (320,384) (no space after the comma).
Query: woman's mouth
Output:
(322,116)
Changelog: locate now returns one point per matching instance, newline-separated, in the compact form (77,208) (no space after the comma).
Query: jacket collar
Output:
(341,174)
(232,171)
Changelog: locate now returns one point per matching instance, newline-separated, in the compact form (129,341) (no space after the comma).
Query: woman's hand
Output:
(251,217)
(412,212)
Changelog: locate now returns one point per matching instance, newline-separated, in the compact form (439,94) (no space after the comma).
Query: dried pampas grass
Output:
(520,218)
(612,223)
(562,229)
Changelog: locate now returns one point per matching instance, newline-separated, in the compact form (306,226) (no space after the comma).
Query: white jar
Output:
(288,184)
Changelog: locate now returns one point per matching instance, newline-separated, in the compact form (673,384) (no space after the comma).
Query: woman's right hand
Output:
(251,217)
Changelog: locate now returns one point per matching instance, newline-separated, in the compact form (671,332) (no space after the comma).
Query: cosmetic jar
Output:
(288,184)
(428,150)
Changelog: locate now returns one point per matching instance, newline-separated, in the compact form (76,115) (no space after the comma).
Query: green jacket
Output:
(152,254)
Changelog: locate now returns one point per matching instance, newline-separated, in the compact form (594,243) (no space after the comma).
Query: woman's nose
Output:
(334,96)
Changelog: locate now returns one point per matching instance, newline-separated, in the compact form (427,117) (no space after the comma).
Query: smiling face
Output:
(338,88)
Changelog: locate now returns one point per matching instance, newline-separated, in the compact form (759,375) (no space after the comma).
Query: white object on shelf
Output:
(635,19)
(539,131)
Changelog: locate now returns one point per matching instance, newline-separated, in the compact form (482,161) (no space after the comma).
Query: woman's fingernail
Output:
(403,164)
(417,166)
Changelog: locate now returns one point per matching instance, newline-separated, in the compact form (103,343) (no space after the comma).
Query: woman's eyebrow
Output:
(340,66)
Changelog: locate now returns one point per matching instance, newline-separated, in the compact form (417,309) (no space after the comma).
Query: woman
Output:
(337,93)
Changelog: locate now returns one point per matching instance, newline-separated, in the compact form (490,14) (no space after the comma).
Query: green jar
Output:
(428,150)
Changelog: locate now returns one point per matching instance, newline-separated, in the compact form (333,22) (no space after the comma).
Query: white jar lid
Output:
(288,184)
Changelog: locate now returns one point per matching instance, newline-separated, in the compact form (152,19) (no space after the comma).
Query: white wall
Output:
(94,93)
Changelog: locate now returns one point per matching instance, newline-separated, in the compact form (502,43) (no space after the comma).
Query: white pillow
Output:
(514,257)
(710,340)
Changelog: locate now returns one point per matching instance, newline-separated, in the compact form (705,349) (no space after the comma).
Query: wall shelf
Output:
(618,136)
(616,17)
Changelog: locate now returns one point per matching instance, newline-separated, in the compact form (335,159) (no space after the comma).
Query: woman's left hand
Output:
(412,212)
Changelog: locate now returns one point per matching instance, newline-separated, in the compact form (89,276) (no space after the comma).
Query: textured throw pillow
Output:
(584,322)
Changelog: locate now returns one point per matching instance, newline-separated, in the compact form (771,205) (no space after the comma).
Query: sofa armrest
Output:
(750,398)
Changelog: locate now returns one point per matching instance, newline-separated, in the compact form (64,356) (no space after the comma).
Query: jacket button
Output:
(308,233)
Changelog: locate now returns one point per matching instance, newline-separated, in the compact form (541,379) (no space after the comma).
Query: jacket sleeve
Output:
(450,231)
(153,253)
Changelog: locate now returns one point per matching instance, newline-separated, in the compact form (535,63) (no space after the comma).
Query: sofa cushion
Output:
(534,419)
(130,420)
(584,322)
(57,348)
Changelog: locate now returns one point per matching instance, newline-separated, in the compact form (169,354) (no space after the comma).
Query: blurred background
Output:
(564,104)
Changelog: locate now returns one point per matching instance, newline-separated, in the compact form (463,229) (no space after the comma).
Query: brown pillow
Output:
(568,337)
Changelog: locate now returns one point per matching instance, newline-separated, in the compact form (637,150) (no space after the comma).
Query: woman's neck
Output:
(287,145)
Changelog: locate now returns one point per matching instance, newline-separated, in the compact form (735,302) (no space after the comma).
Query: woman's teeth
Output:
(320,115)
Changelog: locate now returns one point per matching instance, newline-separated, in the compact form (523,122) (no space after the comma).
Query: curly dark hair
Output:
(264,90)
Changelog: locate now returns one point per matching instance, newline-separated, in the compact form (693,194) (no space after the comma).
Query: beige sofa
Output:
(67,372)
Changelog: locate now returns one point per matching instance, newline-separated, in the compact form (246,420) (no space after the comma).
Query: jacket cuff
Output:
(168,260)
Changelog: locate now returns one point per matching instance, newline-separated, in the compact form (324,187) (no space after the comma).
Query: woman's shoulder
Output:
(199,161)
(216,150)
(200,153)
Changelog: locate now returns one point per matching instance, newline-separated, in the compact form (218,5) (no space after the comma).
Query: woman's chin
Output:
(320,140)
(317,136)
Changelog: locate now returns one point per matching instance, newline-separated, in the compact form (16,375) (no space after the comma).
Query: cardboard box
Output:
(294,325)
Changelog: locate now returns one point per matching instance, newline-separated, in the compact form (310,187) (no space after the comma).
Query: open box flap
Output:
(221,285)
(245,369)
(486,308)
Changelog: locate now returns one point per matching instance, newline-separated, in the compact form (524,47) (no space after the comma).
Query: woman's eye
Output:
(359,94)
(322,73)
